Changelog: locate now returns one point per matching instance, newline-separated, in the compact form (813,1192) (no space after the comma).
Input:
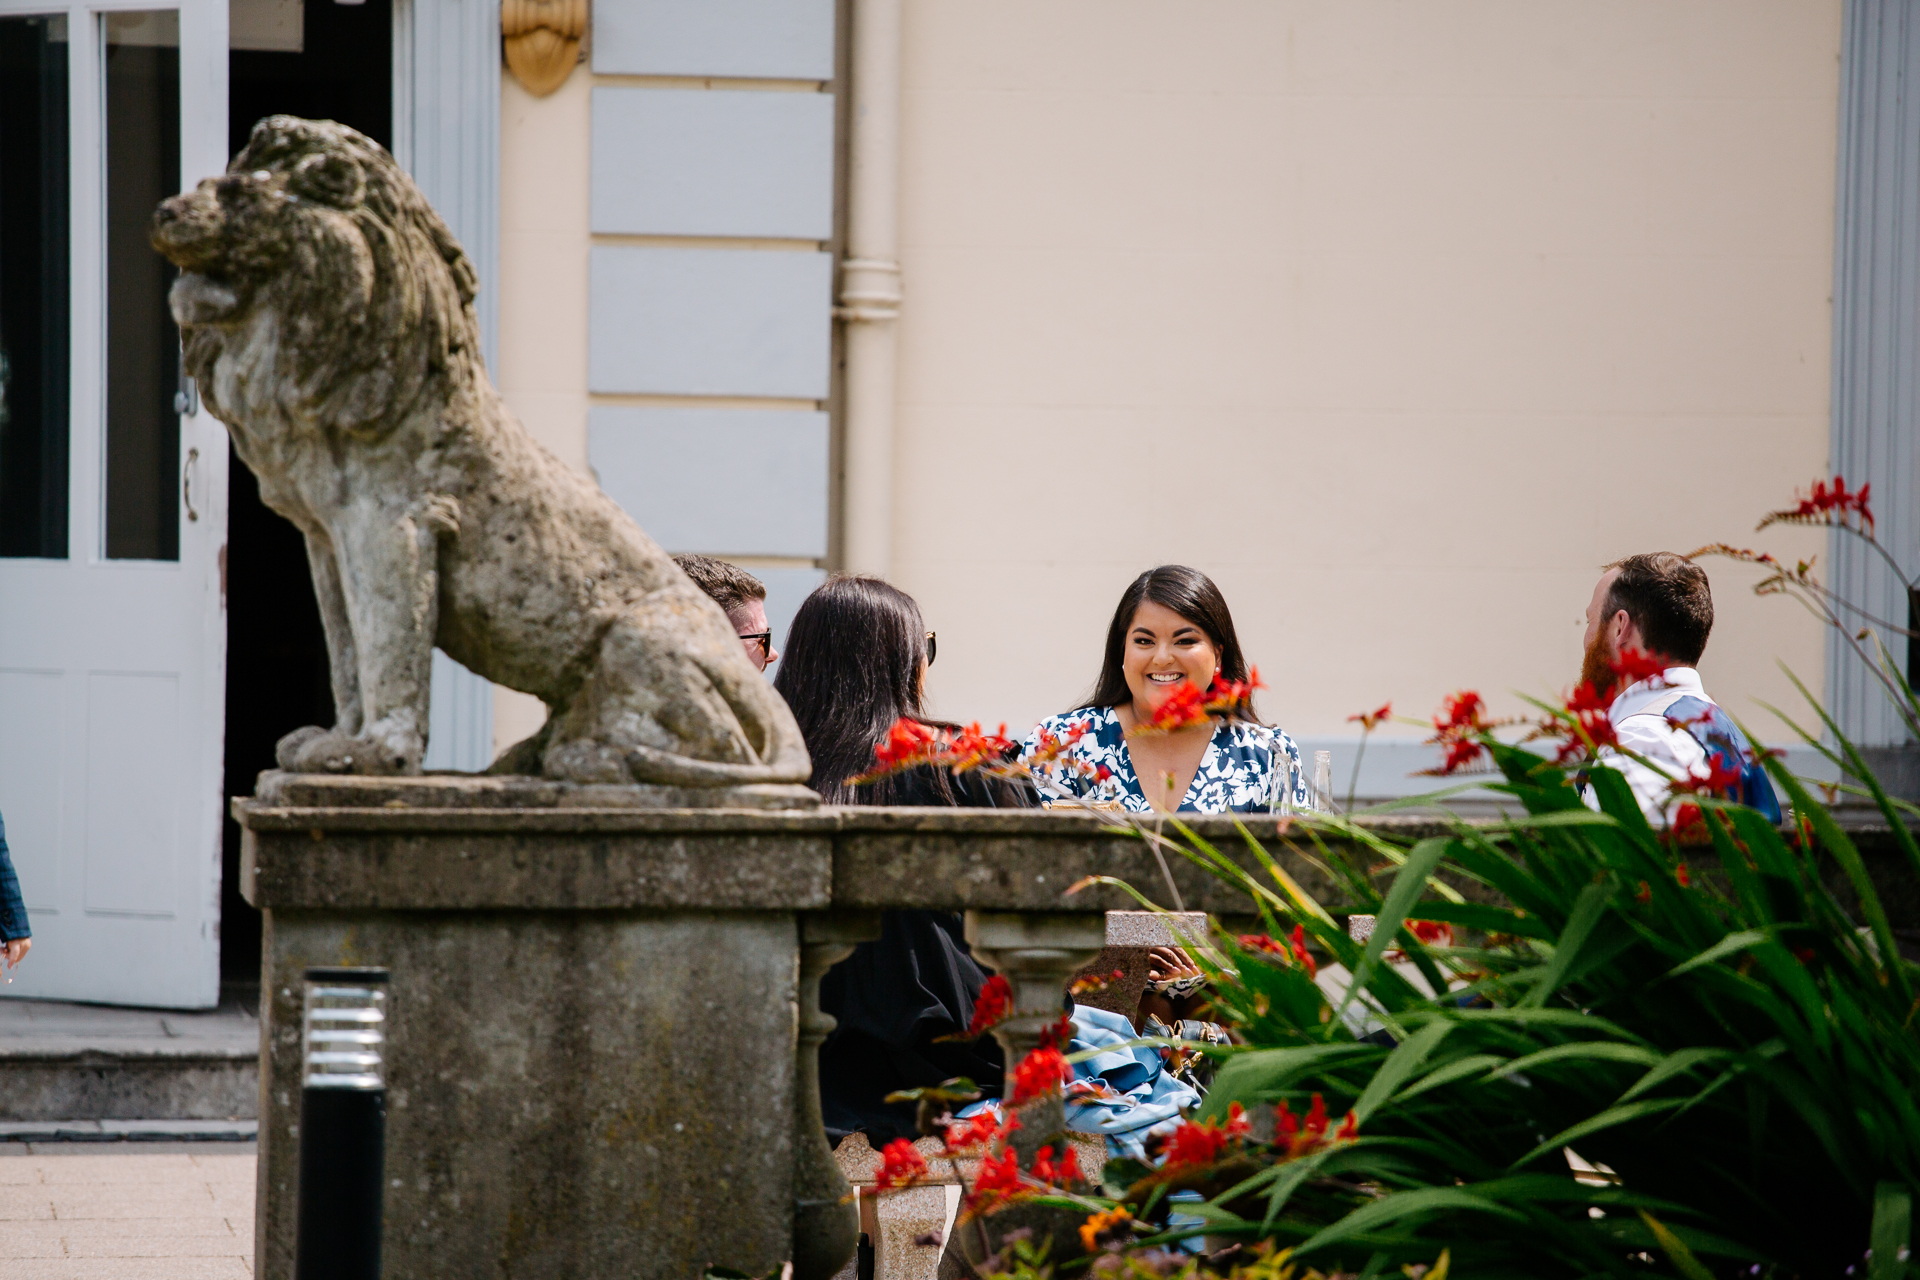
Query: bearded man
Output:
(1647,626)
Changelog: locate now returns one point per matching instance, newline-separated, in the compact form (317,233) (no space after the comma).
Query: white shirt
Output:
(1640,725)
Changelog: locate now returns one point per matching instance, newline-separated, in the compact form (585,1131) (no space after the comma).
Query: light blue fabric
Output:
(1122,1092)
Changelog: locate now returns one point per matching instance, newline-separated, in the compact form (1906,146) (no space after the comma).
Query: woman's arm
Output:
(14,929)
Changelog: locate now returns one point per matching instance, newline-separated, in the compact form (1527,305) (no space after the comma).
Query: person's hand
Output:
(1169,964)
(1166,964)
(13,952)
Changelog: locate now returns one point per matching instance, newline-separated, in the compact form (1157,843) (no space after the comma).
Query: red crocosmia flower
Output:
(997,1182)
(1041,1072)
(1298,943)
(906,740)
(1684,876)
(1316,1123)
(900,1164)
(1195,1145)
(1714,781)
(1804,954)
(1432,932)
(1300,1137)
(979,1131)
(908,744)
(1229,697)
(1091,983)
(1632,666)
(1062,1172)
(1238,1126)
(1462,710)
(1461,752)
(1827,504)
(995,1002)
(1057,1035)
(1456,727)
(971,748)
(1184,706)
(1369,719)
(1690,826)
(1591,727)
(1261,942)
(1644,894)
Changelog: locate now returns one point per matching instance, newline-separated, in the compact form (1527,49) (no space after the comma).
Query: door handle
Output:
(186,483)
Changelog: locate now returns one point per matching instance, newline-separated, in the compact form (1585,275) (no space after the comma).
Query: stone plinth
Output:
(592,1046)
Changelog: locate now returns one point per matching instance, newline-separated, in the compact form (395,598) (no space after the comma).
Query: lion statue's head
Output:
(317,283)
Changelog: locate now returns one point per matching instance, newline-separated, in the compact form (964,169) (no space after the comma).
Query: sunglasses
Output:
(763,638)
(933,647)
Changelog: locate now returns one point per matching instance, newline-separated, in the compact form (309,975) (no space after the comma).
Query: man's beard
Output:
(1596,665)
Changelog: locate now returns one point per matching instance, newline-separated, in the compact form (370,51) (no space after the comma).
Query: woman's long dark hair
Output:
(1189,593)
(850,670)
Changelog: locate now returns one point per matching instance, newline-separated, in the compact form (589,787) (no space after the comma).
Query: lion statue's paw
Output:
(317,750)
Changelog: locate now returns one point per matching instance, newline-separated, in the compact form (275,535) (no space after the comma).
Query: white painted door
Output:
(112,506)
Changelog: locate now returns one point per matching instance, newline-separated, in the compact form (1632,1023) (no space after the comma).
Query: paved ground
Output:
(126,1211)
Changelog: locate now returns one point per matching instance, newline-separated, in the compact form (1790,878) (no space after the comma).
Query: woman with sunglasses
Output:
(856,662)
(1171,635)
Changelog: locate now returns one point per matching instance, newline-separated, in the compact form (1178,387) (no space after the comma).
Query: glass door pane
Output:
(142,80)
(34,254)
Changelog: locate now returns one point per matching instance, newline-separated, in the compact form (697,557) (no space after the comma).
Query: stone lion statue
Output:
(328,318)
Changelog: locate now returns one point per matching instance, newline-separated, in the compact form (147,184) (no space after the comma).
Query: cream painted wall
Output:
(1398,319)
(544,242)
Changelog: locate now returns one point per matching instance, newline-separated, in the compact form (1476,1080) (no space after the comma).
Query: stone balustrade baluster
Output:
(1038,953)
(826,1221)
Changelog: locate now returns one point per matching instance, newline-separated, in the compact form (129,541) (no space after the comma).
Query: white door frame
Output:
(168,955)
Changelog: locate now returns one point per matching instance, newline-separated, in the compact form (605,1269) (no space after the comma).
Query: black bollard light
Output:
(343,1125)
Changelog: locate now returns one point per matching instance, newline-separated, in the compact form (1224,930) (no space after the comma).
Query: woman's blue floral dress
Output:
(1248,768)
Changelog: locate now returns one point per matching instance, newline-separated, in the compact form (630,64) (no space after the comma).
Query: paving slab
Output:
(180,1213)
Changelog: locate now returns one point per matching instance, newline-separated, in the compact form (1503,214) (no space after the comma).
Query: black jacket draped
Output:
(894,997)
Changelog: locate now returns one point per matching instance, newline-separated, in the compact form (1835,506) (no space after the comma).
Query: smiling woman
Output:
(1172,632)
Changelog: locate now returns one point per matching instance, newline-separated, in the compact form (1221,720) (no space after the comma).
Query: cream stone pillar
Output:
(870,286)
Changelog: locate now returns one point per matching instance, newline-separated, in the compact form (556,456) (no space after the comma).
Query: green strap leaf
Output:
(1407,1058)
(1407,886)
(1677,1063)
(1733,942)
(1587,910)
(1892,1230)
(1592,1051)
(1676,1249)
(1403,1204)
(1593,1124)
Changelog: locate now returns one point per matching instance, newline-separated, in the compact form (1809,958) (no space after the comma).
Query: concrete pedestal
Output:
(591,1052)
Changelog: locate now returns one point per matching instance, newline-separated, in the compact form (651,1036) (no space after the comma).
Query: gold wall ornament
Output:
(542,40)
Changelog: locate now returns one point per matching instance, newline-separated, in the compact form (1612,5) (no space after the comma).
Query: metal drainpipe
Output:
(870,285)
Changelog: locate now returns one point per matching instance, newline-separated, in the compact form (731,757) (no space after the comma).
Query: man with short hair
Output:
(1660,605)
(741,596)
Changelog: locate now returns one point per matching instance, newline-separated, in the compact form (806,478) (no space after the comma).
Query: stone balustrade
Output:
(604,1019)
